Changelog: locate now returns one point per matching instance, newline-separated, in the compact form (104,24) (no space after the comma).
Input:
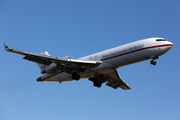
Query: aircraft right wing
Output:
(115,81)
(113,78)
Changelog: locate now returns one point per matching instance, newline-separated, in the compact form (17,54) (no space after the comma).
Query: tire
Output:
(97,84)
(153,62)
(75,76)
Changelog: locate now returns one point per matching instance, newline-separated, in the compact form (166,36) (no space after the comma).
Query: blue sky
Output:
(80,28)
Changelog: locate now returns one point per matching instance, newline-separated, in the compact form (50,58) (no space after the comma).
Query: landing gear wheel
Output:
(97,84)
(75,76)
(153,62)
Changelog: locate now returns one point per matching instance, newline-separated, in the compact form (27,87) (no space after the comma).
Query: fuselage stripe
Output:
(136,51)
(52,75)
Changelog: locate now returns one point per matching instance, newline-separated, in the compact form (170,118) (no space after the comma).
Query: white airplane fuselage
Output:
(117,57)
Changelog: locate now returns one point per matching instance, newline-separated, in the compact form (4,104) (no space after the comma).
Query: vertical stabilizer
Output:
(41,66)
(7,48)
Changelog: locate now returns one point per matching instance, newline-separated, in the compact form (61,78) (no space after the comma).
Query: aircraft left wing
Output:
(47,60)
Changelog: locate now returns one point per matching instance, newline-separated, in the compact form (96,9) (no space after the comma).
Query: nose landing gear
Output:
(153,62)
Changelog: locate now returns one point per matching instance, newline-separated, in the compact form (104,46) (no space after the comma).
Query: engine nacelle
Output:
(49,69)
(68,57)
(54,67)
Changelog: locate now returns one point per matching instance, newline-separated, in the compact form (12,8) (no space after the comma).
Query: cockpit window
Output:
(160,40)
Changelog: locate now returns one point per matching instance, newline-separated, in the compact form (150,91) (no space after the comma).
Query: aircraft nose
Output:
(170,44)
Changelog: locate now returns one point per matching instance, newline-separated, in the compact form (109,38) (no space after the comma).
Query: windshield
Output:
(160,40)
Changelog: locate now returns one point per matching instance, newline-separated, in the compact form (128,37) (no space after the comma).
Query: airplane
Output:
(100,67)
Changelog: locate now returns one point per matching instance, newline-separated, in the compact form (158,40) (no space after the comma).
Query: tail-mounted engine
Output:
(50,69)
(54,67)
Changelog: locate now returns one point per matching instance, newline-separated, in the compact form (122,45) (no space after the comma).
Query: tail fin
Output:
(41,66)
(7,48)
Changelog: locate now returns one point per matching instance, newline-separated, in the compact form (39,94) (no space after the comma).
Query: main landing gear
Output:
(97,84)
(153,62)
(75,76)
(98,81)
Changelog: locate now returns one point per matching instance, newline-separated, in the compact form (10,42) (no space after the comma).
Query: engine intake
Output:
(68,57)
(49,69)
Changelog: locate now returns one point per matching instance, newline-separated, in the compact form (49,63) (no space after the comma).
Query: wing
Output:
(115,81)
(47,60)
